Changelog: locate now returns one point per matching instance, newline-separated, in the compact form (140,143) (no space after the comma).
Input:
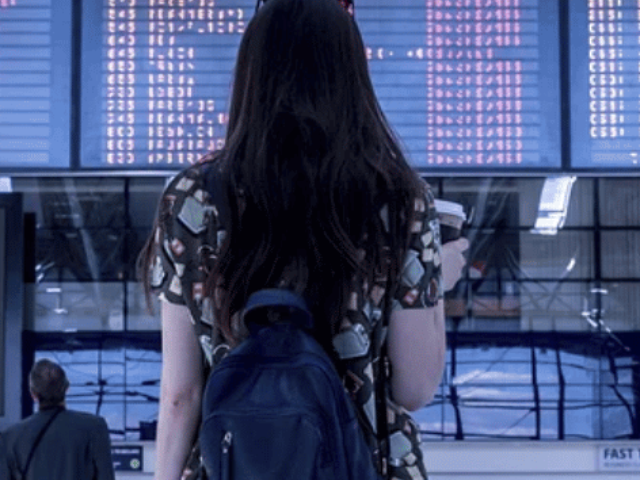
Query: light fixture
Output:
(553,206)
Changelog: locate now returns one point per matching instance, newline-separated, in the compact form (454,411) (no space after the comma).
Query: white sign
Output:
(619,457)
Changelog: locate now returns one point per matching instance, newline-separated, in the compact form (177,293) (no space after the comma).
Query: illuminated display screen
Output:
(605,83)
(471,84)
(158,97)
(464,83)
(35,58)
(467,84)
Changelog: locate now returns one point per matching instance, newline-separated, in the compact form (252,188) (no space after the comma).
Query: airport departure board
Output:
(160,74)
(35,83)
(464,82)
(468,85)
(605,83)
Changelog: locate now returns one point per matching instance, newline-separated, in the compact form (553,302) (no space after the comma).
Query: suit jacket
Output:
(76,446)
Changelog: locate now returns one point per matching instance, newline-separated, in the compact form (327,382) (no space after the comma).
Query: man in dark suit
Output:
(74,445)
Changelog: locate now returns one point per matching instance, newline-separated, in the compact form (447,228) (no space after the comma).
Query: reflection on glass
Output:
(535,386)
(119,382)
(619,202)
(543,332)
(79,306)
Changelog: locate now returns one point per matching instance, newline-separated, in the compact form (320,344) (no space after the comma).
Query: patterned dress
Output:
(189,231)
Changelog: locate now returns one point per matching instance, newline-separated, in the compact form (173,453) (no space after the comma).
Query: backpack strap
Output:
(277,297)
(24,470)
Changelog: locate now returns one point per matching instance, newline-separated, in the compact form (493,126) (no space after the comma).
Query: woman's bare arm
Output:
(453,262)
(417,344)
(180,391)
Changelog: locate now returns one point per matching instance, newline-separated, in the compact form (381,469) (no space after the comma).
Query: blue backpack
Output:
(275,407)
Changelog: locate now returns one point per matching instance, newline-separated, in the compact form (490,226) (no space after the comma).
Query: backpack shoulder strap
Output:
(37,442)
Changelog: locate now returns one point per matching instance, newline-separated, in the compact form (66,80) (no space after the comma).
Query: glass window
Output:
(78,306)
(620,306)
(567,255)
(619,202)
(620,259)
(535,386)
(117,379)
(544,330)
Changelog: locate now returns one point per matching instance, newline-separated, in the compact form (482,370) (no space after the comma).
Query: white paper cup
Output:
(452,218)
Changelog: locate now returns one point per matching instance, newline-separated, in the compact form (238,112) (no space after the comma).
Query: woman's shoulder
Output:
(187,202)
(191,179)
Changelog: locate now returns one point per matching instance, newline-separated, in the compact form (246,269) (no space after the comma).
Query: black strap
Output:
(37,442)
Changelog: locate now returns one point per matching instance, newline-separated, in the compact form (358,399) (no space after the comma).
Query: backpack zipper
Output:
(225,461)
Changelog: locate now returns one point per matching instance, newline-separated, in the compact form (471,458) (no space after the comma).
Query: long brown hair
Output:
(309,161)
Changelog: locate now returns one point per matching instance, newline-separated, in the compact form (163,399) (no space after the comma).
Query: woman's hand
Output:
(453,261)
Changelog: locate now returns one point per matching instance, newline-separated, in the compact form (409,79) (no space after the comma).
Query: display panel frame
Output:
(11,307)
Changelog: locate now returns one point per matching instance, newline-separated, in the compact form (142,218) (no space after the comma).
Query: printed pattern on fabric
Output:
(187,239)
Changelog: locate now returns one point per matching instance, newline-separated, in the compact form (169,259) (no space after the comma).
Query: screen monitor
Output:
(465,83)
(469,84)
(156,80)
(605,84)
(35,83)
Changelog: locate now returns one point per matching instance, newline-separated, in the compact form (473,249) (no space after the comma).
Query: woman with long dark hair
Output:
(311,193)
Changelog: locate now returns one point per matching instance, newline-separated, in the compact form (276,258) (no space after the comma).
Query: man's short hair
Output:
(48,382)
